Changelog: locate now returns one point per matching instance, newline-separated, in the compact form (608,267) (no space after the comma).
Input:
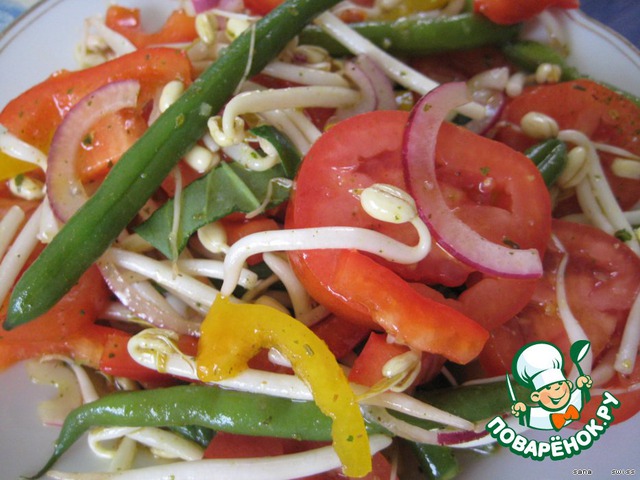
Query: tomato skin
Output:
(460,65)
(107,140)
(584,105)
(237,228)
(340,335)
(367,368)
(67,329)
(515,11)
(116,360)
(354,154)
(35,114)
(178,28)
(261,7)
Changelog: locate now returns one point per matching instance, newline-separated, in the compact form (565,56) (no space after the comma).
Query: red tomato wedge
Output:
(602,115)
(515,11)
(367,149)
(178,28)
(67,329)
(34,115)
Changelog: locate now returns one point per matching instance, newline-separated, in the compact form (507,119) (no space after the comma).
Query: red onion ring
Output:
(452,234)
(65,191)
(459,436)
(375,87)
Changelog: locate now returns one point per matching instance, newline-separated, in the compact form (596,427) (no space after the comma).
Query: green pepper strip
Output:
(197,405)
(529,54)
(143,167)
(550,156)
(420,36)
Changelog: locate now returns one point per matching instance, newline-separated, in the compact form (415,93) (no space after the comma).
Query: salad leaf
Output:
(227,189)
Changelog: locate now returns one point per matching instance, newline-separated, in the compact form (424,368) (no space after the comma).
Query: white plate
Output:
(43,41)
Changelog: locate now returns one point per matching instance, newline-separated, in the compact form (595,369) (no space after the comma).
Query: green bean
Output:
(529,54)
(550,157)
(196,433)
(472,402)
(288,153)
(420,36)
(438,463)
(205,406)
(144,166)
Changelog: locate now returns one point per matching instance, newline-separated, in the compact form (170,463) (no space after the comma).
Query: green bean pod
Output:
(550,157)
(438,463)
(137,175)
(471,402)
(417,35)
(201,406)
(196,433)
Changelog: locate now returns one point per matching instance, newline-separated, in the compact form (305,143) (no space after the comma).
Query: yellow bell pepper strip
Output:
(232,334)
(11,167)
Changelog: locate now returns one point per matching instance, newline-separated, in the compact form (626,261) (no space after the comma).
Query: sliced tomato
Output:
(591,108)
(178,28)
(602,279)
(459,65)
(107,140)
(261,7)
(628,397)
(340,335)
(420,322)
(34,115)
(515,11)
(230,445)
(366,149)
(67,329)
(367,369)
(368,366)
(237,228)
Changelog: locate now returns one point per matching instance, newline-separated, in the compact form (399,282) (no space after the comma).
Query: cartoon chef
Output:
(539,367)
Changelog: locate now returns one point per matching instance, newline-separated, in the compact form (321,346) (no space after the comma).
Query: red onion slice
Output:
(148,304)
(227,5)
(64,188)
(203,5)
(452,234)
(460,436)
(382,85)
(376,89)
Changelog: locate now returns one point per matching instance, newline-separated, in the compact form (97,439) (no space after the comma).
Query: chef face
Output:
(554,396)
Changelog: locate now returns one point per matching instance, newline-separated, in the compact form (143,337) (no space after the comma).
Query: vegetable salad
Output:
(314,234)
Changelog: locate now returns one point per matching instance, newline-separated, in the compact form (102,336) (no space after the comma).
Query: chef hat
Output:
(538,365)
